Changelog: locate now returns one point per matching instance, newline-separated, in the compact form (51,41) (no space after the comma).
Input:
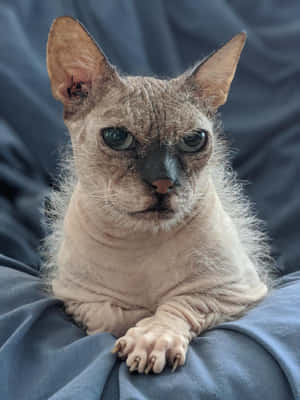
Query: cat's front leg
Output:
(152,342)
(161,338)
(164,337)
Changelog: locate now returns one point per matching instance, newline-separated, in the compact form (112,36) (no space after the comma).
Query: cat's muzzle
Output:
(160,207)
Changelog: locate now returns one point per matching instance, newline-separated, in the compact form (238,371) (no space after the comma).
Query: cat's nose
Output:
(163,186)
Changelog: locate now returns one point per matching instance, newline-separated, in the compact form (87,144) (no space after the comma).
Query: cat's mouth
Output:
(160,208)
(157,208)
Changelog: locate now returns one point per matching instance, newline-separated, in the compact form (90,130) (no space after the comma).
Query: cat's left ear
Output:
(75,62)
(212,78)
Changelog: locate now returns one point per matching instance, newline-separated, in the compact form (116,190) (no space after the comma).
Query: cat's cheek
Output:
(124,202)
(129,197)
(174,203)
(178,203)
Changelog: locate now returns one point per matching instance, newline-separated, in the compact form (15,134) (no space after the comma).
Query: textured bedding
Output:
(43,354)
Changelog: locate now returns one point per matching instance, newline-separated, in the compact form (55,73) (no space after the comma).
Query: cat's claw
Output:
(119,346)
(135,364)
(150,365)
(176,362)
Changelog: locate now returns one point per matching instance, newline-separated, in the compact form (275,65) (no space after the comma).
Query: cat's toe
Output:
(176,355)
(149,348)
(137,360)
(150,364)
(119,346)
(134,366)
(123,346)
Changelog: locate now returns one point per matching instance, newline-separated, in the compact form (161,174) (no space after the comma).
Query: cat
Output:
(152,239)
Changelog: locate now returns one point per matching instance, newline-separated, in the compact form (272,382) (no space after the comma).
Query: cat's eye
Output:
(118,138)
(193,142)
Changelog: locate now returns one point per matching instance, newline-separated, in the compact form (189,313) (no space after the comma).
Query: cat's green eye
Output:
(118,138)
(193,142)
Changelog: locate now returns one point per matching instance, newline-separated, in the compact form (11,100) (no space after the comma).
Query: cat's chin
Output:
(155,214)
(155,221)
(154,218)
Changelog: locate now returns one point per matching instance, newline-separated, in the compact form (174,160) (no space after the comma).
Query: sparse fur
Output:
(154,277)
(229,189)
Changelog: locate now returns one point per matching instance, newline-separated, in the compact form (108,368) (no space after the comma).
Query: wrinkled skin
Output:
(154,279)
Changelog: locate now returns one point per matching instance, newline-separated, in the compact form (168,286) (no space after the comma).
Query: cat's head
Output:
(142,146)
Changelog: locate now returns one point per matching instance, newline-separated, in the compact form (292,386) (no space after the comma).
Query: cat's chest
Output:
(140,277)
(133,273)
(134,276)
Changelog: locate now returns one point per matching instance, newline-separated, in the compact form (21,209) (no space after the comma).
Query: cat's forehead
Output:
(151,108)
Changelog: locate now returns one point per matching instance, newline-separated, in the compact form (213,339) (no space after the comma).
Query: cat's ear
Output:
(75,62)
(212,78)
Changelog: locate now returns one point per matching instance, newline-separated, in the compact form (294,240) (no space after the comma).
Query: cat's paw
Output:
(150,349)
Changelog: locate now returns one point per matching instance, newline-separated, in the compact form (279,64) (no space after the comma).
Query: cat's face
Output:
(142,146)
(145,131)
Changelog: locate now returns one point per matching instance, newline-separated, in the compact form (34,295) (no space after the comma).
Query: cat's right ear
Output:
(76,65)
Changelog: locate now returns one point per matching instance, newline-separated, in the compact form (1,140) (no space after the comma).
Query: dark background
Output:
(43,354)
(163,38)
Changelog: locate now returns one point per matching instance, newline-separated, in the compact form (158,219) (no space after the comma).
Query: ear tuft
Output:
(74,61)
(212,77)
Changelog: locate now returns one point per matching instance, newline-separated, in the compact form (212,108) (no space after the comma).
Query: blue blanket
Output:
(43,354)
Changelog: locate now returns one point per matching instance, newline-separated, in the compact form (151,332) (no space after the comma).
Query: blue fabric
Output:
(43,354)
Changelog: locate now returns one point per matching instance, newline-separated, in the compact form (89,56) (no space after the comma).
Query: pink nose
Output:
(162,186)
